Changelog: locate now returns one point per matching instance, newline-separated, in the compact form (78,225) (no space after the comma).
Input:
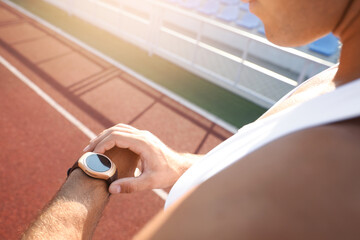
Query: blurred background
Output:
(184,45)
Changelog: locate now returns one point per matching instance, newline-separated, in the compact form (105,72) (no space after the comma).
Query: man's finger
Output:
(104,134)
(131,184)
(122,140)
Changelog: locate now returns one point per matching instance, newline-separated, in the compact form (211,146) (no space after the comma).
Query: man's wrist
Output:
(79,179)
(81,187)
(91,193)
(75,210)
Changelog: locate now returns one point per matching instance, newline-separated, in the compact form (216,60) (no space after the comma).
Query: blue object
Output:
(211,7)
(249,21)
(244,7)
(230,2)
(327,45)
(190,3)
(229,13)
(261,30)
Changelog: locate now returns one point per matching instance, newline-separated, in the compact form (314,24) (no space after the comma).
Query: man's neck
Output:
(348,31)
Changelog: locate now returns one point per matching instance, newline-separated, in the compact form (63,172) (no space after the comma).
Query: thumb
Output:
(130,184)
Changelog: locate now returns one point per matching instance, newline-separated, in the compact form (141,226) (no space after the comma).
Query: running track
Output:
(38,144)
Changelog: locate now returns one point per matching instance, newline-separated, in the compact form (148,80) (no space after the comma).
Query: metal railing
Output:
(238,60)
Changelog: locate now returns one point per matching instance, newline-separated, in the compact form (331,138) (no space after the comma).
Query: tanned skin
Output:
(74,211)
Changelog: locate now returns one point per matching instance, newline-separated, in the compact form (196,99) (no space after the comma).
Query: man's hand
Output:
(160,166)
(125,160)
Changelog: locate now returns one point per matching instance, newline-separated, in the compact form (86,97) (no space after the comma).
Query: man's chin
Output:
(278,40)
(283,41)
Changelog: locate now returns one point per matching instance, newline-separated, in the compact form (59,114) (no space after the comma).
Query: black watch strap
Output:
(76,165)
(113,177)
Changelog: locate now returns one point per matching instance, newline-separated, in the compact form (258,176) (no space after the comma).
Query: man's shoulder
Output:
(332,141)
(297,187)
(330,151)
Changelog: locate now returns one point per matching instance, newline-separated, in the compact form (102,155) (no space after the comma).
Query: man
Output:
(301,181)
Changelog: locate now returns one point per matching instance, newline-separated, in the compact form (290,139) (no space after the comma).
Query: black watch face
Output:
(98,163)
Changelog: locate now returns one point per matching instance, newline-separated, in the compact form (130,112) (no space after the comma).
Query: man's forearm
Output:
(74,212)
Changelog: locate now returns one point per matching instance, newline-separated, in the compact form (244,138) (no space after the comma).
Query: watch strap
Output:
(113,177)
(76,165)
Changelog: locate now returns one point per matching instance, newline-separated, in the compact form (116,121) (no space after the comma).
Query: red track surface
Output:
(38,144)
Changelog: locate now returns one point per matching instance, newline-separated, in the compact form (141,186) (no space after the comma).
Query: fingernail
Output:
(86,148)
(115,189)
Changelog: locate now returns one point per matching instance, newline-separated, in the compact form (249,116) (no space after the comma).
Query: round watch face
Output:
(98,163)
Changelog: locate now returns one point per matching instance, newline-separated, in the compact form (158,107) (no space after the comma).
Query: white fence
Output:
(237,60)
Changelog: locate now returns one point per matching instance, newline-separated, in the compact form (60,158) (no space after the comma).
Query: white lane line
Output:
(114,62)
(48,99)
(161,193)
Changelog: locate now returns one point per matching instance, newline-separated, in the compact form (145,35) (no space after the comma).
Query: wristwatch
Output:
(97,166)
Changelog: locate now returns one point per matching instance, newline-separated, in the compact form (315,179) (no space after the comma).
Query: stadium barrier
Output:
(239,60)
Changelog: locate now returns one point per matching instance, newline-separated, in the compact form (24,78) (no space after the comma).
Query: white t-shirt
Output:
(340,104)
